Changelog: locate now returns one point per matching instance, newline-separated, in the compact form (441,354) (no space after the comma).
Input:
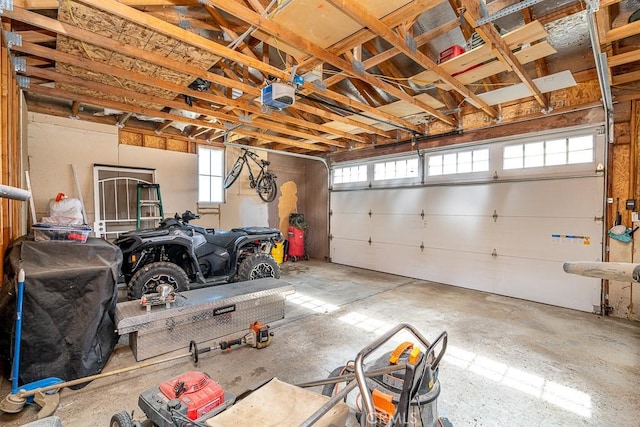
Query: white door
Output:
(510,238)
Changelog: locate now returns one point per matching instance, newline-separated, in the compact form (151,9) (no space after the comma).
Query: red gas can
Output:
(296,242)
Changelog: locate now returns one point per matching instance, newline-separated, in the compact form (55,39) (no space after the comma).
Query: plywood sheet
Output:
(177,145)
(321,23)
(129,33)
(130,138)
(152,141)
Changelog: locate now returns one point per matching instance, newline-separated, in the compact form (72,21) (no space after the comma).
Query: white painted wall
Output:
(54,143)
(243,207)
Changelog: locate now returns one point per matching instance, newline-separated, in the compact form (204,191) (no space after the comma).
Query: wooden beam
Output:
(247,15)
(149,99)
(498,5)
(303,44)
(53,4)
(622,32)
(360,14)
(403,14)
(37,36)
(112,90)
(626,78)
(623,58)
(113,45)
(394,51)
(143,79)
(162,126)
(498,42)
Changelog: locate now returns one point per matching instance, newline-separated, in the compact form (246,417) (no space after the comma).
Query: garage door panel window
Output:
(555,152)
(210,170)
(397,169)
(350,174)
(458,163)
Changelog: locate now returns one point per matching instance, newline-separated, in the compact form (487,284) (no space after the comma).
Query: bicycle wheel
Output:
(234,173)
(267,187)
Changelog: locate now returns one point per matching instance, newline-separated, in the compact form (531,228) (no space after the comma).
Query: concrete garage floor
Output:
(509,362)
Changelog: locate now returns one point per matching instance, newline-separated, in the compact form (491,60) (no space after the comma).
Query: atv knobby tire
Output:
(258,266)
(146,279)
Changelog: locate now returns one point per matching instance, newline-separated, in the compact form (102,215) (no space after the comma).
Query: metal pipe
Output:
(14,193)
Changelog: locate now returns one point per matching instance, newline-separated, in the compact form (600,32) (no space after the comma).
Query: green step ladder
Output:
(156,211)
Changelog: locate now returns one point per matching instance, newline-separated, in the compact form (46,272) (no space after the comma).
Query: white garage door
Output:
(509,235)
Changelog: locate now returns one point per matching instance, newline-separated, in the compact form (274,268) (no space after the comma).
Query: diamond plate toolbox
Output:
(201,315)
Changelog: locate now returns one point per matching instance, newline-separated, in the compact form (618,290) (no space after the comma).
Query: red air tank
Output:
(296,242)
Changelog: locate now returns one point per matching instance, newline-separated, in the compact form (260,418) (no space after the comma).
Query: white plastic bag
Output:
(65,210)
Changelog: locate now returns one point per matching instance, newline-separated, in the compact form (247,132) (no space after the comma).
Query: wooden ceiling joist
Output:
(114,45)
(403,14)
(299,42)
(360,14)
(394,51)
(124,93)
(489,31)
(62,57)
(247,15)
(53,4)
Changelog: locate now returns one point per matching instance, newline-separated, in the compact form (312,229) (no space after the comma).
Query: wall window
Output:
(396,169)
(350,174)
(554,152)
(210,170)
(460,162)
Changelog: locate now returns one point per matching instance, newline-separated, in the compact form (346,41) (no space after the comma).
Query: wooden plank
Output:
(37,36)
(53,4)
(248,15)
(514,39)
(159,114)
(525,56)
(622,32)
(113,46)
(362,15)
(623,58)
(404,14)
(394,51)
(300,42)
(161,85)
(320,22)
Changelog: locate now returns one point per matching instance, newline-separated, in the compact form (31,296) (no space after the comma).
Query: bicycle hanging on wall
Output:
(264,183)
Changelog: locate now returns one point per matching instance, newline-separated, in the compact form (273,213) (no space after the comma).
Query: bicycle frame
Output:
(253,156)
(264,182)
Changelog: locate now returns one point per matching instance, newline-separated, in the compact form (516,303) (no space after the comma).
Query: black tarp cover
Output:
(69,301)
